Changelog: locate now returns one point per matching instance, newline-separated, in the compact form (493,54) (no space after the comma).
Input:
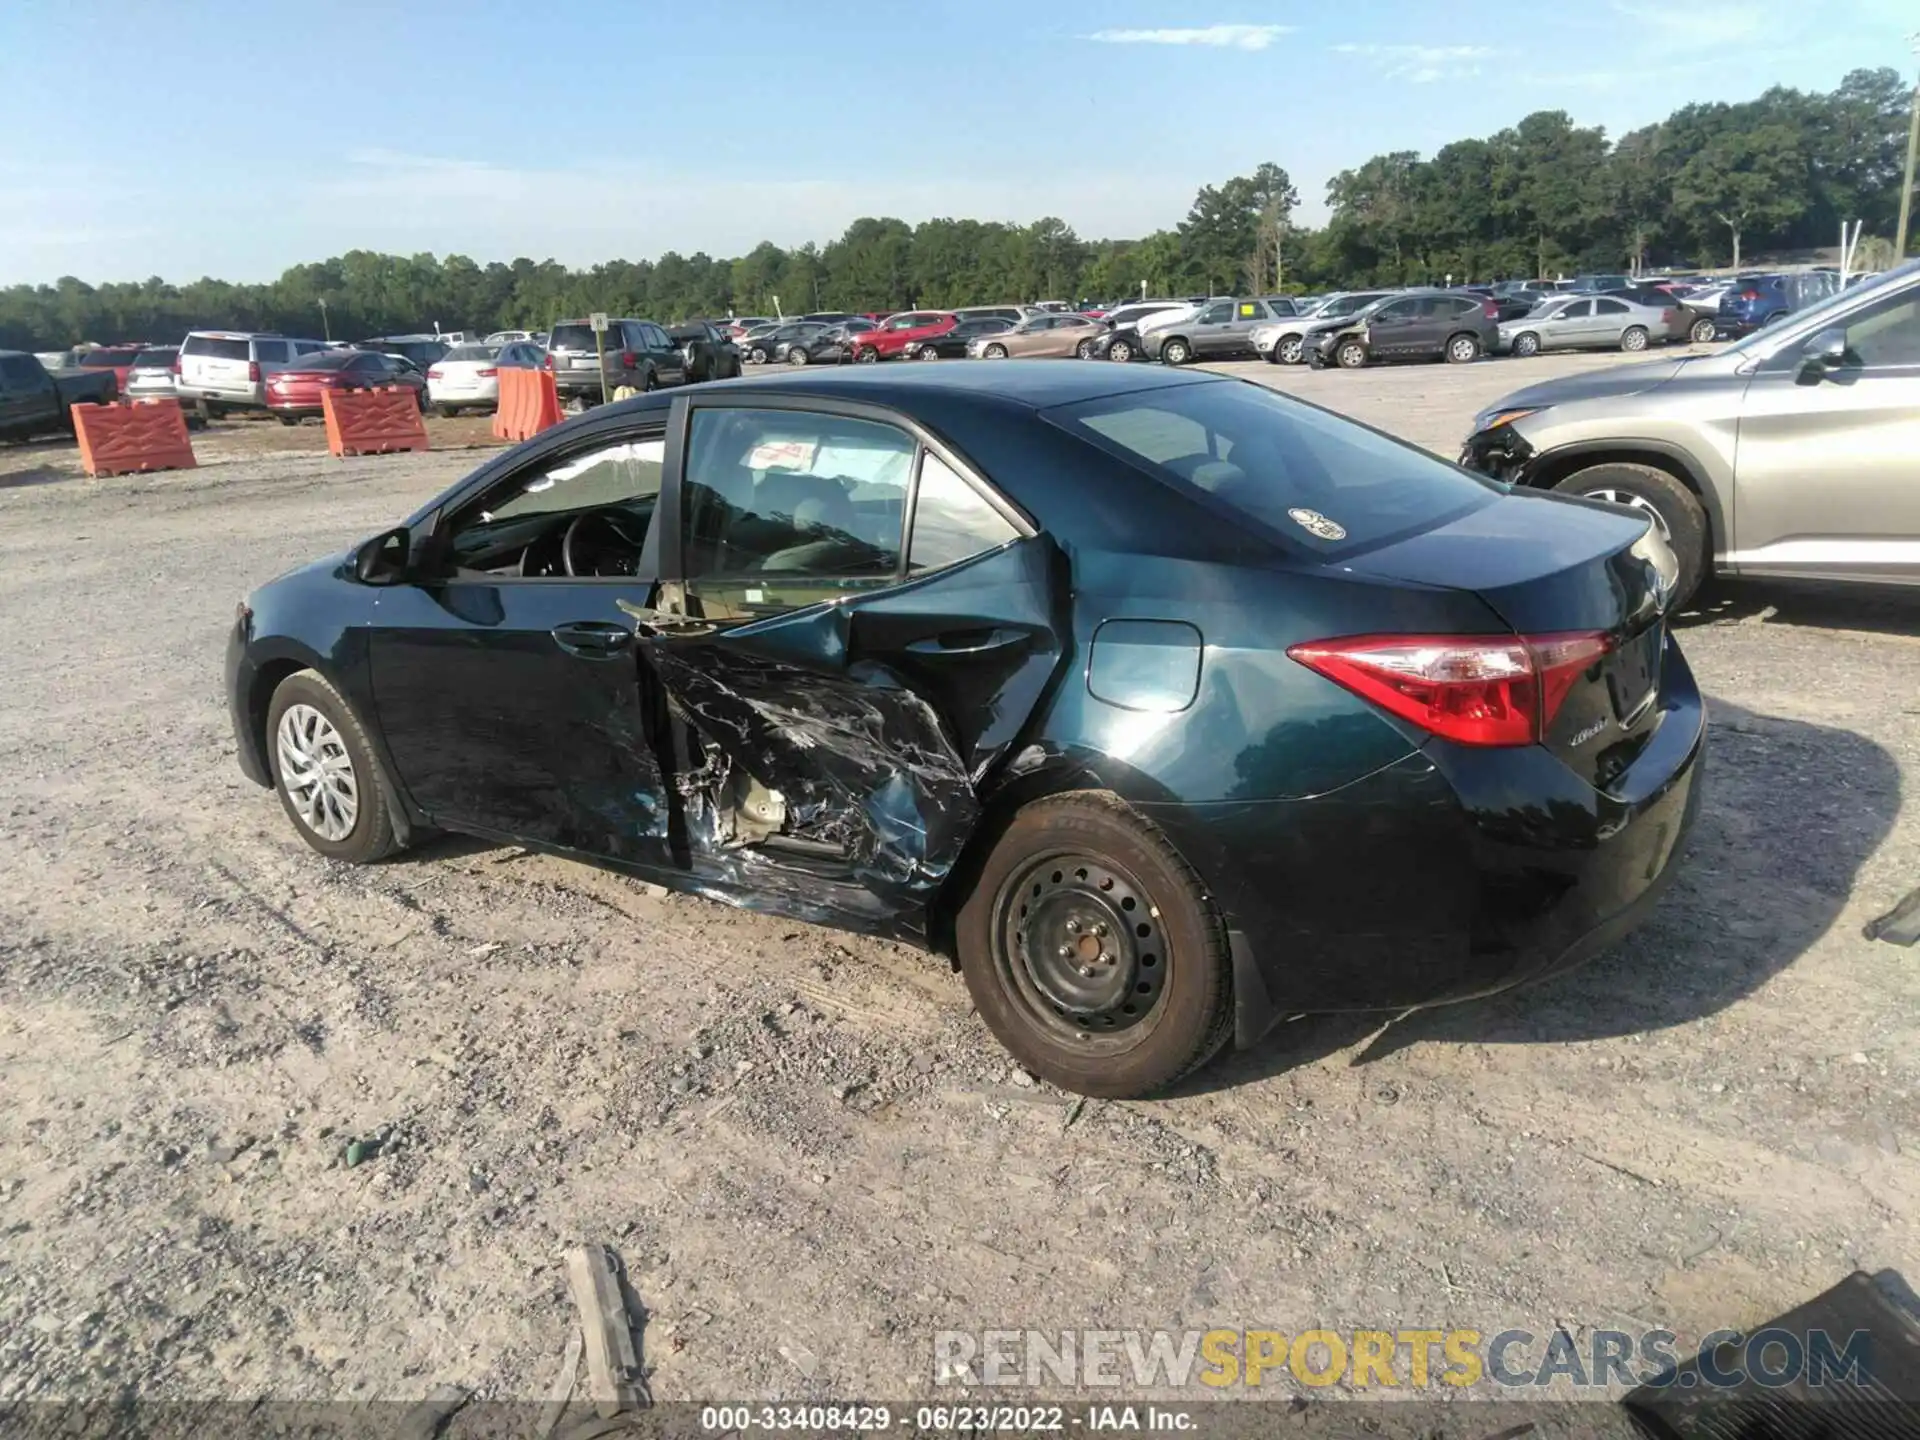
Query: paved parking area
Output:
(809,1153)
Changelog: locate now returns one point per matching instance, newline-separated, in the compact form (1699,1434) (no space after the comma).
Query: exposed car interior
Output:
(586,516)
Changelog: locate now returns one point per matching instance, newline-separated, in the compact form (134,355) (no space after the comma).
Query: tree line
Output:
(1709,185)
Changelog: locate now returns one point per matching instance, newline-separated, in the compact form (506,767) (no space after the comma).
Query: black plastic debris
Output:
(1900,925)
(1843,1366)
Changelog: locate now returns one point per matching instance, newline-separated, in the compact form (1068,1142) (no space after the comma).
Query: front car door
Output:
(853,629)
(506,685)
(1209,328)
(1827,464)
(1568,327)
(1390,329)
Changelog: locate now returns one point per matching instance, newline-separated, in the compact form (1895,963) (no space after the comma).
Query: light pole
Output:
(326,326)
(1913,145)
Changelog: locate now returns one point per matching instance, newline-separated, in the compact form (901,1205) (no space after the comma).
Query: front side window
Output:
(604,495)
(785,508)
(1888,335)
(1217,314)
(1398,310)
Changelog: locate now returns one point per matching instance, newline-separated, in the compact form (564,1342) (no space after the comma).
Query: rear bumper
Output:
(254,395)
(1451,874)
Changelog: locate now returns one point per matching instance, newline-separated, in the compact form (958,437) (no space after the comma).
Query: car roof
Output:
(1031,384)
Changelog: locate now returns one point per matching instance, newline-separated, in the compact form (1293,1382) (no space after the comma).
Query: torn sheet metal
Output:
(866,725)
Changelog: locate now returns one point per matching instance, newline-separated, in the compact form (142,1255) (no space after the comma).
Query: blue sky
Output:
(234,139)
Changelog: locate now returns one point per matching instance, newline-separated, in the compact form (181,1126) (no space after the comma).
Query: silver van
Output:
(230,367)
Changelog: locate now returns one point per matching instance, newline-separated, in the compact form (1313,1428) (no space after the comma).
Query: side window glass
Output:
(518,527)
(1888,335)
(951,520)
(272,352)
(1609,307)
(785,508)
(1578,310)
(1217,314)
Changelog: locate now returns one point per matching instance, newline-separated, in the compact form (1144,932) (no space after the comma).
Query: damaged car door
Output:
(504,675)
(850,632)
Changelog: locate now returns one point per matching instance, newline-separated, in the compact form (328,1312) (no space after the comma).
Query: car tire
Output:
(288,419)
(1351,355)
(995,352)
(796,356)
(1633,338)
(758,356)
(322,731)
(928,352)
(1702,331)
(865,354)
(1526,345)
(446,412)
(1086,349)
(1064,867)
(1462,349)
(1176,351)
(1292,350)
(1121,351)
(1673,507)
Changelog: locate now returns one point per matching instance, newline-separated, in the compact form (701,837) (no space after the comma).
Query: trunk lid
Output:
(1551,566)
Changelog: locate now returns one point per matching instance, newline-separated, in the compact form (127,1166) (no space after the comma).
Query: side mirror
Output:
(1826,350)
(385,559)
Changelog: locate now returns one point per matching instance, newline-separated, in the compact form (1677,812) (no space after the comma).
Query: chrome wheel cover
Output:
(1634,502)
(316,772)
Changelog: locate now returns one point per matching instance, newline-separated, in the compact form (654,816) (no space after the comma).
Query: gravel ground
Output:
(275,1127)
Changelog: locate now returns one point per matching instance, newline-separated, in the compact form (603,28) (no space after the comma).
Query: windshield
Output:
(1287,466)
(161,357)
(1808,318)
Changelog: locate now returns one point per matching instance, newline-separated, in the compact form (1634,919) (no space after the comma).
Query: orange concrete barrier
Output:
(528,404)
(373,422)
(125,439)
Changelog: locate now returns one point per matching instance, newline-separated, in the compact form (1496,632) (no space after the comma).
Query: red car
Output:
(117,358)
(897,334)
(295,391)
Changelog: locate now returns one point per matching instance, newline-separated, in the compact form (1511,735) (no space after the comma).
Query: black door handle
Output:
(592,639)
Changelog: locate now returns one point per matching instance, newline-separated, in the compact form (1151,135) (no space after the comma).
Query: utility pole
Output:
(1913,146)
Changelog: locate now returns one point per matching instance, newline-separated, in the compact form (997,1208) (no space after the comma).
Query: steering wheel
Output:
(578,557)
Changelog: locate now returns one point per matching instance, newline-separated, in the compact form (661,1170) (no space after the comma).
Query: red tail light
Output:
(1471,689)
(253,372)
(433,373)
(1490,309)
(546,362)
(487,374)
(629,359)
(1749,294)
(175,367)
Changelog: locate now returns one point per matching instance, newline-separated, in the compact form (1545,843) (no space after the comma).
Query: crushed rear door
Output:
(826,762)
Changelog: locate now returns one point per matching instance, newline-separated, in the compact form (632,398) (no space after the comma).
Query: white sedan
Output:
(468,376)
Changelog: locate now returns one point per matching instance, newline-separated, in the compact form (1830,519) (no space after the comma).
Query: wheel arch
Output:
(1552,466)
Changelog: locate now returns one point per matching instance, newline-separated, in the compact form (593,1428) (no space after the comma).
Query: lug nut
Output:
(1073,927)
(1100,930)
(1066,952)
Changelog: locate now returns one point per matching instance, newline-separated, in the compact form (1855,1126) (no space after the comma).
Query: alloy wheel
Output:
(317,772)
(1463,349)
(1085,351)
(1082,945)
(1175,352)
(1291,350)
(1527,345)
(1634,339)
(927,352)
(995,352)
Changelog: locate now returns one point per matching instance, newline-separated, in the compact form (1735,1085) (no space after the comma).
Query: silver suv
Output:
(1795,453)
(230,367)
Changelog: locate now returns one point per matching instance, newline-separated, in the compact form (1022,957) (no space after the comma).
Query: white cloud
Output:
(1223,37)
(1703,22)
(1422,64)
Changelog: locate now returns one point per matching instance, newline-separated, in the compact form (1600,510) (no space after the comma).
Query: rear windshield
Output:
(215,348)
(472,352)
(330,360)
(579,337)
(157,357)
(103,357)
(1312,478)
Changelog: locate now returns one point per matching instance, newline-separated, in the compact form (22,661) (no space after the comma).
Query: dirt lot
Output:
(808,1151)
